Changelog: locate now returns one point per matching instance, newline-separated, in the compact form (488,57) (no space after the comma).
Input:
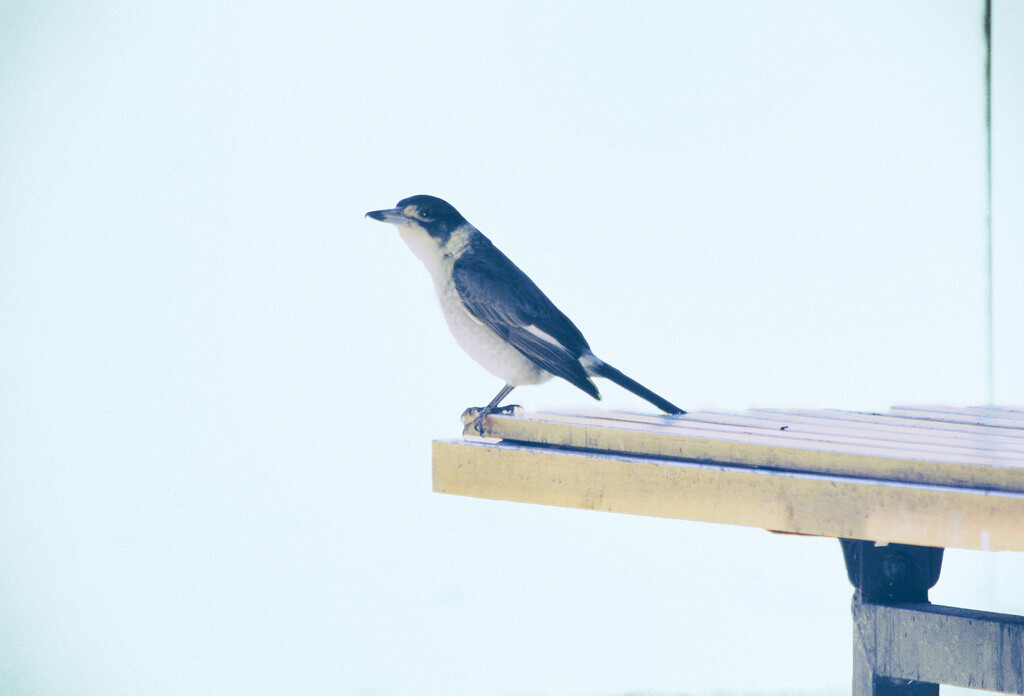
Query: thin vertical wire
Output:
(989,304)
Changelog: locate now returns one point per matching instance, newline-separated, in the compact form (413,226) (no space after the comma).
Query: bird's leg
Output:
(478,422)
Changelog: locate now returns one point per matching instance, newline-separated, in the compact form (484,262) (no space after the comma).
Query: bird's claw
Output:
(473,417)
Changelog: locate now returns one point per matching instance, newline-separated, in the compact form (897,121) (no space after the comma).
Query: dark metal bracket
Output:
(891,574)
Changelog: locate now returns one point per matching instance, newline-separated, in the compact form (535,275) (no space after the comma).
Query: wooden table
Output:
(896,489)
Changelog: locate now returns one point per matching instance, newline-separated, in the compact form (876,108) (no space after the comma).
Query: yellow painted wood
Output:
(926,475)
(804,503)
(988,460)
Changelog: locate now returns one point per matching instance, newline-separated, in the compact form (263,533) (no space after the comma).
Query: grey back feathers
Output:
(499,294)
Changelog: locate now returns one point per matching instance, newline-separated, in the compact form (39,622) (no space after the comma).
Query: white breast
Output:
(483,345)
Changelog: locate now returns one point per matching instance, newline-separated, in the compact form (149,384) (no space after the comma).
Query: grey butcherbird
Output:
(496,313)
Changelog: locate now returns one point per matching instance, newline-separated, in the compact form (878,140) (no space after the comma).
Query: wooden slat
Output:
(868,432)
(1007,413)
(702,424)
(925,427)
(983,412)
(870,422)
(994,419)
(804,503)
(992,465)
(943,645)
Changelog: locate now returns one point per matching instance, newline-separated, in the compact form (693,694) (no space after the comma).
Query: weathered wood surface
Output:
(949,478)
(942,645)
(967,449)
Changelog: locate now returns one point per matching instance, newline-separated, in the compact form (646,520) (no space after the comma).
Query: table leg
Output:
(886,575)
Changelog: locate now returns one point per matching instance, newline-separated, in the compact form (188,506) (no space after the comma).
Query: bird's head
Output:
(423,214)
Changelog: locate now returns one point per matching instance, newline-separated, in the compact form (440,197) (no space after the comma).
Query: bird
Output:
(496,313)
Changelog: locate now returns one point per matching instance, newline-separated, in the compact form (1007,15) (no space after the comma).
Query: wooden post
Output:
(886,575)
(944,645)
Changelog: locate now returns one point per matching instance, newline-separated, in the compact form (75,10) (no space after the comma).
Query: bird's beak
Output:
(393,215)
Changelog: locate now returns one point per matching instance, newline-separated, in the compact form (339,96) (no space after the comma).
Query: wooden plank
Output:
(838,506)
(886,427)
(700,423)
(683,439)
(867,682)
(663,428)
(873,419)
(1005,413)
(984,413)
(870,433)
(956,416)
(943,645)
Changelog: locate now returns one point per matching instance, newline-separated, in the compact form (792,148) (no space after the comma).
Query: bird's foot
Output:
(473,417)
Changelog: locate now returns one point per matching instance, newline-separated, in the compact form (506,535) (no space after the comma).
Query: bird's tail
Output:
(599,368)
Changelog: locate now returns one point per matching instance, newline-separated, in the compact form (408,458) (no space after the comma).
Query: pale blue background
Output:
(220,382)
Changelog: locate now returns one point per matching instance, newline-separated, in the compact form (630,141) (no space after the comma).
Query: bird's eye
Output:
(424,214)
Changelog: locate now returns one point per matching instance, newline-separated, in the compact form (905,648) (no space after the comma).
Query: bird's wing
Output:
(504,299)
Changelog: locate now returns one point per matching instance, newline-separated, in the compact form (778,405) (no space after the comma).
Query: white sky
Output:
(221,382)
